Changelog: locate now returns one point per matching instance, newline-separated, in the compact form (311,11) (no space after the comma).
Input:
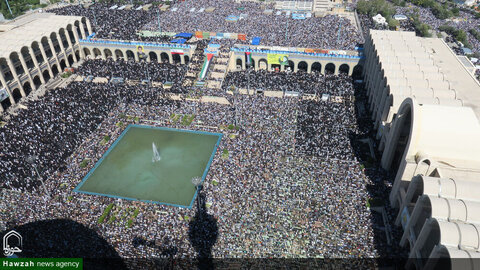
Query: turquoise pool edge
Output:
(85,178)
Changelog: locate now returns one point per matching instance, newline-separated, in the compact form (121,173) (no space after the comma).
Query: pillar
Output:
(75,34)
(25,68)
(54,53)
(63,50)
(82,31)
(4,82)
(70,45)
(170,58)
(42,50)
(15,76)
(35,62)
(282,68)
(89,27)
(309,67)
(182,59)
(104,55)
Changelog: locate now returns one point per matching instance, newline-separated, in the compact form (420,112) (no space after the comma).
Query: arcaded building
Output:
(36,47)
(425,102)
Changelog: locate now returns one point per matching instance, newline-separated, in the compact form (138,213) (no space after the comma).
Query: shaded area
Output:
(203,233)
(65,238)
(380,185)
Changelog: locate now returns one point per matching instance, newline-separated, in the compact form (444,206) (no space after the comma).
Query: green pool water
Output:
(127,171)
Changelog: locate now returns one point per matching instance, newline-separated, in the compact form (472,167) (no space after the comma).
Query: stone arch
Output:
(344,69)
(86,51)
(37,81)
(239,62)
(108,53)
(118,54)
(46,47)
(55,70)
(63,37)
(302,66)
(83,20)
(62,65)
(16,63)
(46,75)
(27,88)
(164,57)
(38,54)
(130,55)
(153,56)
(187,59)
(357,71)
(330,68)
(70,59)
(77,24)
(70,33)
(6,103)
(317,67)
(291,65)
(263,64)
(27,57)
(176,58)
(399,139)
(16,95)
(7,73)
(55,42)
(96,52)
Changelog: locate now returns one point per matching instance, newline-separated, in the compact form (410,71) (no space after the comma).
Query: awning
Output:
(256,40)
(184,35)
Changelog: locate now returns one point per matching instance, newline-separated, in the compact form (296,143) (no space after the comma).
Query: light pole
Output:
(31,160)
(9,7)
(197,182)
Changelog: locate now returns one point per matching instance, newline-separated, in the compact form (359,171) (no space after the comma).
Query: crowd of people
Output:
(306,83)
(131,70)
(329,32)
(290,179)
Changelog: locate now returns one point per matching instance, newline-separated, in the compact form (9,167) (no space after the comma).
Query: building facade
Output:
(35,48)
(426,107)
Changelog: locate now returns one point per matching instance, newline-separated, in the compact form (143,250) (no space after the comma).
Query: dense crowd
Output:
(329,32)
(131,70)
(285,189)
(307,83)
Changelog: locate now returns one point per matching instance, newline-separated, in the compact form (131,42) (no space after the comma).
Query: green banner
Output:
(277,59)
(41,263)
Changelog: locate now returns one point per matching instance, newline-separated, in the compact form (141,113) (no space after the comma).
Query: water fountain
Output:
(156,156)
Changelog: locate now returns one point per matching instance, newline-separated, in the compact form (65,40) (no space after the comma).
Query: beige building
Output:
(334,62)
(171,53)
(425,103)
(35,48)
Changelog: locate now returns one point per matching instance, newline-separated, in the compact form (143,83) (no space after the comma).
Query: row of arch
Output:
(152,56)
(330,68)
(42,60)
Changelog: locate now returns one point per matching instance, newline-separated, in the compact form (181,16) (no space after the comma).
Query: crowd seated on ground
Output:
(329,32)
(291,177)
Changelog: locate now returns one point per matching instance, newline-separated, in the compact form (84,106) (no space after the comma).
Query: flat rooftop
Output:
(425,63)
(23,31)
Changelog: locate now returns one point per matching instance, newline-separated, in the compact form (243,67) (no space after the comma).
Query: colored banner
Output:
(277,59)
